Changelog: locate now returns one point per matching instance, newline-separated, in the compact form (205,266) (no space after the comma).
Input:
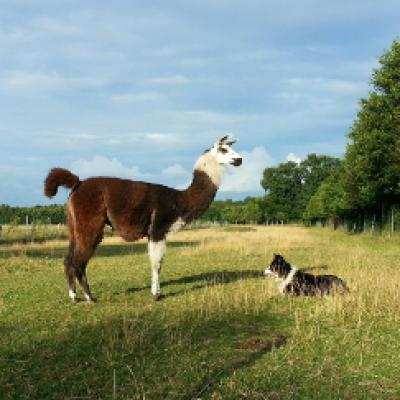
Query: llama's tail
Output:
(59,177)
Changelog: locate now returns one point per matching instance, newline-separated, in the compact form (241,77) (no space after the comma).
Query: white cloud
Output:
(116,142)
(168,80)
(247,177)
(293,157)
(83,136)
(161,138)
(136,97)
(212,117)
(21,81)
(55,26)
(334,86)
(175,170)
(100,165)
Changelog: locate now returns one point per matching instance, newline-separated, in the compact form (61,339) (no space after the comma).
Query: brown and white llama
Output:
(134,210)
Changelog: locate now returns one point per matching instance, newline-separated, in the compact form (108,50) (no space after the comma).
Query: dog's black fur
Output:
(298,282)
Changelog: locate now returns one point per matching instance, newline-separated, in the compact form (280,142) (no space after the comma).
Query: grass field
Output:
(222,331)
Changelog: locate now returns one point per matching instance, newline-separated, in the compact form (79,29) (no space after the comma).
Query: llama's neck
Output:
(198,196)
(208,164)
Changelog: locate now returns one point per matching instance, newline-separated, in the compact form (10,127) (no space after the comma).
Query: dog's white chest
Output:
(288,279)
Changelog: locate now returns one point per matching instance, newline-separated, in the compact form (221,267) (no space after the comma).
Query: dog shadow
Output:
(206,279)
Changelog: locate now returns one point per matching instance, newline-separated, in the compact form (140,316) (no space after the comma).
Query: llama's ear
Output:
(228,139)
(231,141)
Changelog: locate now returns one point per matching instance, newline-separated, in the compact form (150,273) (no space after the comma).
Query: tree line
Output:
(52,214)
(288,188)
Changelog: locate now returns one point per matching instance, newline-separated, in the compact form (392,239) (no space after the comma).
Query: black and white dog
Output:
(295,281)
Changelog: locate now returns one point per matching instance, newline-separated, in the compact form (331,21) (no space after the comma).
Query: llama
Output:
(134,210)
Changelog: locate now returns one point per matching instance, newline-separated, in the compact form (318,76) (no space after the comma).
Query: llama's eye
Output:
(223,151)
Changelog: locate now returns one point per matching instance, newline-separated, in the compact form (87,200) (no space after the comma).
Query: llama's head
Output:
(213,160)
(223,152)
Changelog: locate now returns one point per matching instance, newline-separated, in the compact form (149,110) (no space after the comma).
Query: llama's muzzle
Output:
(236,162)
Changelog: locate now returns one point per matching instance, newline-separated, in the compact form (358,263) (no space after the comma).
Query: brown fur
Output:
(134,209)
(59,177)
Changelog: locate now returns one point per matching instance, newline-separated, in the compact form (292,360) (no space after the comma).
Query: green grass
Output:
(222,332)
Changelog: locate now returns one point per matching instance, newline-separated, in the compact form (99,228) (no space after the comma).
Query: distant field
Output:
(222,332)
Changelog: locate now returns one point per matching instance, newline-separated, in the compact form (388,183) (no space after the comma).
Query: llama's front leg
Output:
(156,254)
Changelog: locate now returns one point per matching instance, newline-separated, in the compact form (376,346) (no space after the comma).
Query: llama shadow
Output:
(229,343)
(205,279)
(104,250)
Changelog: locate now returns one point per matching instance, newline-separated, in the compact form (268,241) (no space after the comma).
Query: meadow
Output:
(221,332)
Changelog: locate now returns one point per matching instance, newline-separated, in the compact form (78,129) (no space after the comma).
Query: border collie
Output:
(295,281)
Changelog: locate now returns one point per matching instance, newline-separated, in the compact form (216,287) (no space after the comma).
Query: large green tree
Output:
(314,170)
(372,159)
(290,185)
(283,185)
(328,202)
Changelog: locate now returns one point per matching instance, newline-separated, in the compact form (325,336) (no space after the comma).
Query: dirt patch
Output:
(260,345)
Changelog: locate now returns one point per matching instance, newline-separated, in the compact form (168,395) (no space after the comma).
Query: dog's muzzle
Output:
(268,272)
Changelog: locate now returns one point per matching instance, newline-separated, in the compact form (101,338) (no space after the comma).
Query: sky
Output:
(139,89)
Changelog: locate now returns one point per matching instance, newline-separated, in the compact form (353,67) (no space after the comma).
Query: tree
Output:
(372,159)
(252,211)
(38,214)
(290,186)
(328,202)
(283,183)
(314,170)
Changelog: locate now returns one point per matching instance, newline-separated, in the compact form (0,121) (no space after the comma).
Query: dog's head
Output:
(278,268)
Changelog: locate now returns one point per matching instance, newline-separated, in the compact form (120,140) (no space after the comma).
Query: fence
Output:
(387,220)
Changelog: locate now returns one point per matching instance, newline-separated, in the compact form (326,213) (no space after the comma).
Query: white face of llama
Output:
(223,152)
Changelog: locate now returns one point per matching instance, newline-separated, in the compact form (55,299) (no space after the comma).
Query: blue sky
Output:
(140,89)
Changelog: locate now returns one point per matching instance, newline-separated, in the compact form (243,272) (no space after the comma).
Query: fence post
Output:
(392,219)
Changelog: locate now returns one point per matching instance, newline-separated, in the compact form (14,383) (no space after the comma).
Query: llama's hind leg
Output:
(70,273)
(82,279)
(83,252)
(75,269)
(156,255)
(81,258)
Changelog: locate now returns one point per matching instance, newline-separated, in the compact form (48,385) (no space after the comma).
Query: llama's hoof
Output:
(76,300)
(91,300)
(158,297)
